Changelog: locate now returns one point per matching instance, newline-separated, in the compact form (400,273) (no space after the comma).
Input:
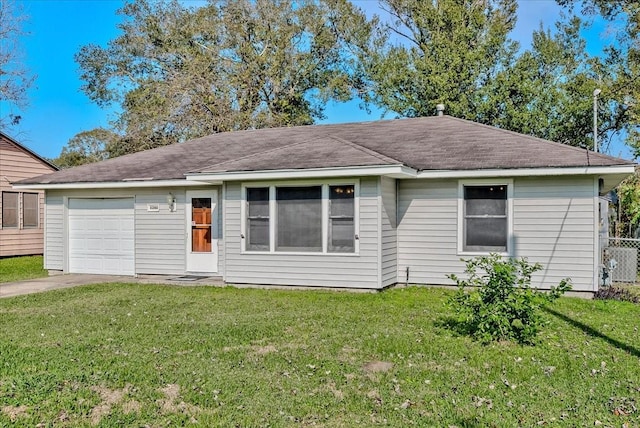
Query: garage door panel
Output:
(101,236)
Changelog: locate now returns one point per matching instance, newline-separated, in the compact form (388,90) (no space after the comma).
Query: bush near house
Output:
(502,305)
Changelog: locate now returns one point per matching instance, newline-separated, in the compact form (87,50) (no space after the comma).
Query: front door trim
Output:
(202,262)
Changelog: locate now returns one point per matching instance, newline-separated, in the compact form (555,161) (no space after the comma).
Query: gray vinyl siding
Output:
(389,231)
(427,230)
(160,236)
(54,232)
(553,223)
(326,270)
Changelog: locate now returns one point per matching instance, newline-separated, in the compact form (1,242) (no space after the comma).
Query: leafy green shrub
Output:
(616,293)
(502,306)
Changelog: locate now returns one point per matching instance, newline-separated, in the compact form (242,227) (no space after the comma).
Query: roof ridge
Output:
(542,140)
(366,150)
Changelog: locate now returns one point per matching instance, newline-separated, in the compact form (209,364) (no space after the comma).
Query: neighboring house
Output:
(21,212)
(361,205)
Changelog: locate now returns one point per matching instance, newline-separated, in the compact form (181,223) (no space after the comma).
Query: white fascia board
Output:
(116,184)
(396,171)
(528,172)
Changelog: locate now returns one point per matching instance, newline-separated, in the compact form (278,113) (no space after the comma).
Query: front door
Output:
(202,231)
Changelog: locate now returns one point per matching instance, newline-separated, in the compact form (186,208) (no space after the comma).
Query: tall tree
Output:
(548,91)
(623,56)
(15,78)
(180,73)
(87,147)
(444,51)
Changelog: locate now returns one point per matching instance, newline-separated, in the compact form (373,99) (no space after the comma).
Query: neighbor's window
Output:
(257,227)
(341,219)
(9,209)
(299,219)
(30,210)
(485,218)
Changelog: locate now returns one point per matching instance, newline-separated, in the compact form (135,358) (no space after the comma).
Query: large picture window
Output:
(485,218)
(10,209)
(314,218)
(299,221)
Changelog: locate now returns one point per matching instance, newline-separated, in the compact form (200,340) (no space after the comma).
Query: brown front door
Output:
(201,225)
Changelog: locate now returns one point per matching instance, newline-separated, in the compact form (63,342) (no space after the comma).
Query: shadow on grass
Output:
(595,333)
(454,325)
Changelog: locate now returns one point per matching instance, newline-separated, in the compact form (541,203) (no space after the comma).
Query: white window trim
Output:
(325,215)
(485,182)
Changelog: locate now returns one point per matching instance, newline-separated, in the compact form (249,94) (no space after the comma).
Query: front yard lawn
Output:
(21,268)
(148,355)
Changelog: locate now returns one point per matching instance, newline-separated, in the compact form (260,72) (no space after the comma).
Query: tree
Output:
(15,79)
(547,92)
(180,73)
(433,52)
(623,56)
(87,147)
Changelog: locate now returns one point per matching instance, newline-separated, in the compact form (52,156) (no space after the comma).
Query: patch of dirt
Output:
(131,406)
(335,391)
(168,405)
(110,397)
(263,350)
(15,412)
(378,367)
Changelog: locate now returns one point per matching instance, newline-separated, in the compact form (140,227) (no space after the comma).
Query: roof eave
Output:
(393,171)
(529,172)
(127,184)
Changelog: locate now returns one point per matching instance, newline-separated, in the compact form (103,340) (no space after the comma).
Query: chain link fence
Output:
(620,262)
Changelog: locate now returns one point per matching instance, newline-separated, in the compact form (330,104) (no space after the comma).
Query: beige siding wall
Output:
(553,223)
(327,270)
(389,231)
(160,237)
(15,165)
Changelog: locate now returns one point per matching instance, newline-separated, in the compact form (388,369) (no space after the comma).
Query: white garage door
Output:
(101,236)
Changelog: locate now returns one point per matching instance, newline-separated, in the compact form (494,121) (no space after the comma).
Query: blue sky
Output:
(57,29)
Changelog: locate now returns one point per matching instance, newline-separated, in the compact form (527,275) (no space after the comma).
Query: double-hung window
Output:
(10,209)
(257,230)
(30,210)
(485,218)
(316,218)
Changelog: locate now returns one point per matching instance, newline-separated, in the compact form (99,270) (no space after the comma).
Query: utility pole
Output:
(596,92)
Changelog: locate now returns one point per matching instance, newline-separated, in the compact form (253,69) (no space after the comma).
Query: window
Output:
(341,219)
(257,226)
(485,218)
(9,209)
(313,218)
(299,218)
(30,210)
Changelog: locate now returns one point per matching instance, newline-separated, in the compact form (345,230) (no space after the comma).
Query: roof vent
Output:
(440,109)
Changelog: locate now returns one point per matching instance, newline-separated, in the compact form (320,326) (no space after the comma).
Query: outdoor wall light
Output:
(171,200)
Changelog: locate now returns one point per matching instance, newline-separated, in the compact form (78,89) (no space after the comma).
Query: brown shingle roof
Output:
(429,143)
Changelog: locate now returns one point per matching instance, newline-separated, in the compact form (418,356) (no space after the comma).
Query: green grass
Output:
(21,268)
(143,355)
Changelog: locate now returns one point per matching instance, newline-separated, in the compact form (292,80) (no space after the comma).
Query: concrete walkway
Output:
(56,282)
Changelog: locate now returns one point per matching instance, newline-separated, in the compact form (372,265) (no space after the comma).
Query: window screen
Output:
(257,228)
(29,210)
(299,218)
(341,219)
(9,209)
(485,218)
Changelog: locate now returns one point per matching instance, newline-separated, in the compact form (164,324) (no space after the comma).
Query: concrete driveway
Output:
(56,282)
